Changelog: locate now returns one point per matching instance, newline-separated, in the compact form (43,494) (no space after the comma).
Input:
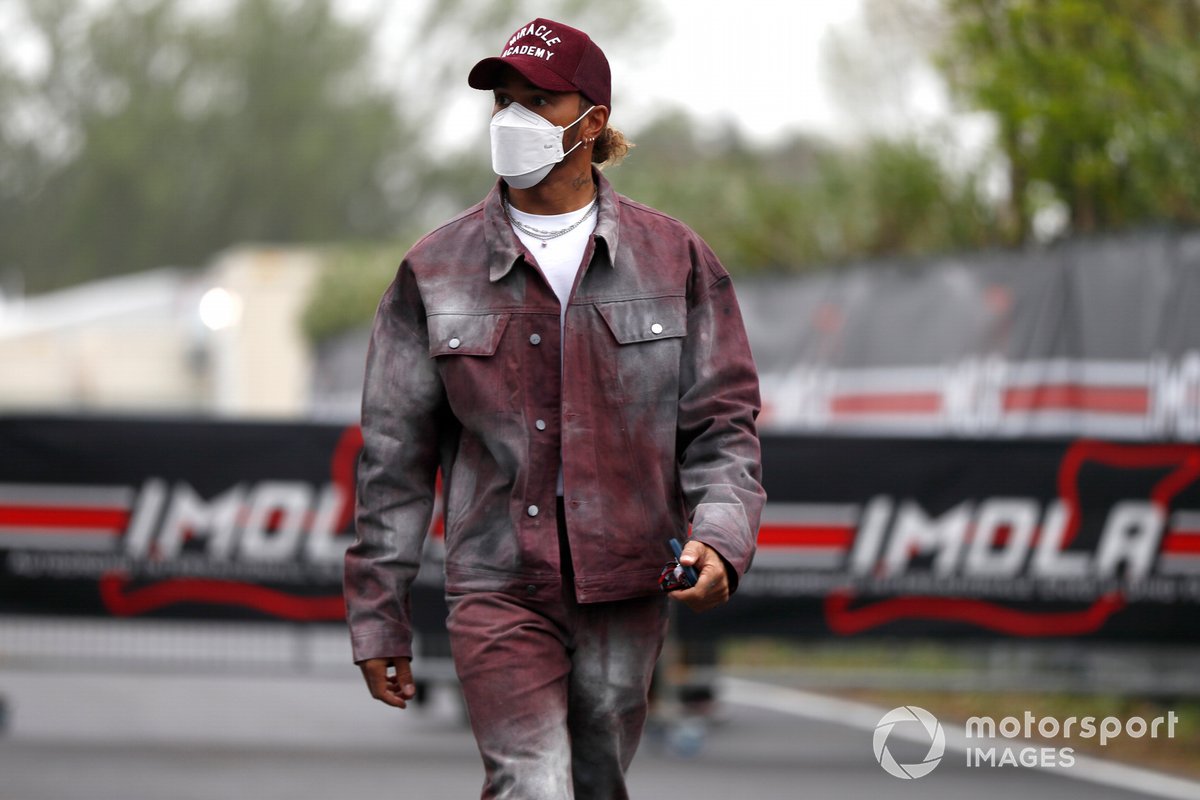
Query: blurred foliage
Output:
(159,132)
(1098,104)
(169,137)
(804,203)
(156,132)
(353,277)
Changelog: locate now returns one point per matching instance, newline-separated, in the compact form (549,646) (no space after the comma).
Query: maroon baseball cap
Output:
(552,56)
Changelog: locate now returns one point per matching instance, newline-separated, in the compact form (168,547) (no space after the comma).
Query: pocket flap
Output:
(465,334)
(645,319)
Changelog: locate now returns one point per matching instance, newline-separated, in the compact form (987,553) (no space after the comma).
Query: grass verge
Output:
(863,671)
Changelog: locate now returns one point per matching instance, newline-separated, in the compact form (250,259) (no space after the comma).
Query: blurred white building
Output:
(224,340)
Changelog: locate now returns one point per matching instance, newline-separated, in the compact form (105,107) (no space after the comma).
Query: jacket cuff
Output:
(381,644)
(724,528)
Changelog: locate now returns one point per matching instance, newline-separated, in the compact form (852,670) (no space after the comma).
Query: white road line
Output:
(1179,564)
(66,495)
(811,557)
(57,539)
(811,513)
(865,717)
(1186,522)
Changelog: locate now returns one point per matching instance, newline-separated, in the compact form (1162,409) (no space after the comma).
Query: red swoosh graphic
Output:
(1185,458)
(342,468)
(123,602)
(846,621)
(342,471)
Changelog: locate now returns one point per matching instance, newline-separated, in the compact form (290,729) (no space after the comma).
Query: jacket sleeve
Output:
(402,401)
(718,448)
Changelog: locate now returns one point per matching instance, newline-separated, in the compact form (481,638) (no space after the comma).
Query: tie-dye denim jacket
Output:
(648,401)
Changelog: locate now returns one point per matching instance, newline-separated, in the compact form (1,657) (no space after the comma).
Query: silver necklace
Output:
(545,236)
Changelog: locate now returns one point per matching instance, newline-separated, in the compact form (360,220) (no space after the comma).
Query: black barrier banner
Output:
(861,537)
(973,538)
(175,519)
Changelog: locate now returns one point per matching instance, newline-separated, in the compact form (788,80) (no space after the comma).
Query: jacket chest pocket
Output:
(649,334)
(472,362)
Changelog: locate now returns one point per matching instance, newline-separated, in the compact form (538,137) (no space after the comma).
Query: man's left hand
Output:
(712,585)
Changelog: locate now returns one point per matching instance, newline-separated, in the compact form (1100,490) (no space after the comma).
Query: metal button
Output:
(532,511)
(535,339)
(656,328)
(454,343)
(531,589)
(540,424)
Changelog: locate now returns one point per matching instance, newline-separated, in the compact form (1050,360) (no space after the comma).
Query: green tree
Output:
(806,203)
(183,134)
(1097,104)
(158,132)
(803,204)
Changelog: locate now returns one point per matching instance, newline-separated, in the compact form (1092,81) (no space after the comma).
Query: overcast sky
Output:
(757,61)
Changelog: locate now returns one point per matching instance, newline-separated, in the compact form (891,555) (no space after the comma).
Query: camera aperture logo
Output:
(937,742)
(1028,741)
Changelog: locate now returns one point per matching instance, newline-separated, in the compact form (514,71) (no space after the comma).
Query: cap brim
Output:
(486,73)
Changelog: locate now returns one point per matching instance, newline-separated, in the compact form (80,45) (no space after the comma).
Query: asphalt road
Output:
(100,736)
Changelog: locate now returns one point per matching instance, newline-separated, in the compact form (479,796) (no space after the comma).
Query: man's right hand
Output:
(395,689)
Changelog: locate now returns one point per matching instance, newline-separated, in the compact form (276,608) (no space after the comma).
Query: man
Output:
(576,365)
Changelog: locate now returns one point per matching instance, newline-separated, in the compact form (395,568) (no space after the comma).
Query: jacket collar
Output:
(505,249)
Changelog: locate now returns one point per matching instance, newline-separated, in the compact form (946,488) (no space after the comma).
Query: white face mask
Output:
(525,146)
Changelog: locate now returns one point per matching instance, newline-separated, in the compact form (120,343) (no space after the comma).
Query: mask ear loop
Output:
(581,116)
(572,125)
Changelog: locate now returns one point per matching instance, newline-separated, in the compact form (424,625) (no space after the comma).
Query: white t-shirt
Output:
(559,258)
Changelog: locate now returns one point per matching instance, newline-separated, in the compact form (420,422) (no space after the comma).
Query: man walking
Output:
(576,365)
